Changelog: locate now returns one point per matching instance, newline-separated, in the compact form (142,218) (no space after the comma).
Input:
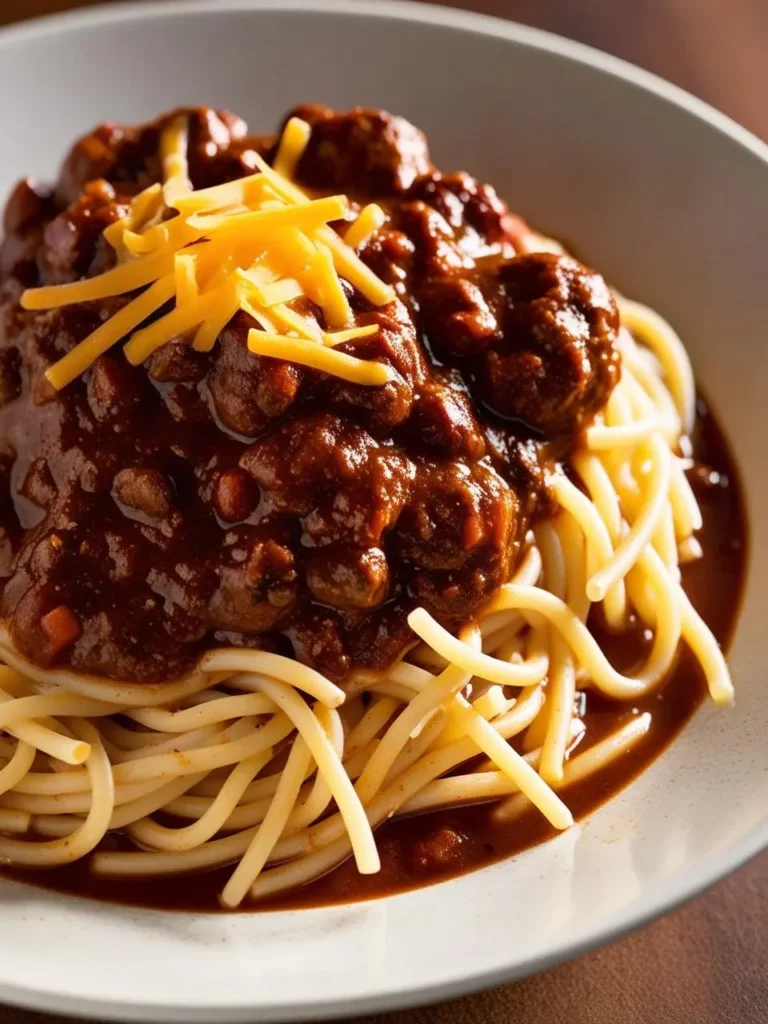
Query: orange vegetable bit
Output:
(61,629)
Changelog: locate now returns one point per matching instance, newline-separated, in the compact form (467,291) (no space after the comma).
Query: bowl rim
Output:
(665,897)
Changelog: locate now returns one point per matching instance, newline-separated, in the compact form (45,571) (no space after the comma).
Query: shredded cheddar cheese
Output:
(368,222)
(258,244)
(185,274)
(318,357)
(292,145)
(339,337)
(173,154)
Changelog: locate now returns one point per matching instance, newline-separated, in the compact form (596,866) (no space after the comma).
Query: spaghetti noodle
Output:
(264,763)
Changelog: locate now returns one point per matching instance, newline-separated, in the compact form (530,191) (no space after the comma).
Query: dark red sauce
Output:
(714,583)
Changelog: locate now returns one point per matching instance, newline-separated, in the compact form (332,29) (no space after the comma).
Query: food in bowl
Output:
(333,496)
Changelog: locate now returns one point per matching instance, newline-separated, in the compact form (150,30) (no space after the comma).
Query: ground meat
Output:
(438,851)
(346,577)
(473,211)
(72,242)
(537,341)
(365,152)
(248,391)
(149,513)
(258,587)
(143,490)
(443,419)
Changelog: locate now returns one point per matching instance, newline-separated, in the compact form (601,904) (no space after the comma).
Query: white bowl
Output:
(670,200)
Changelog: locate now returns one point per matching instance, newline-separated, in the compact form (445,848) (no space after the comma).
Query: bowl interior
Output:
(671,203)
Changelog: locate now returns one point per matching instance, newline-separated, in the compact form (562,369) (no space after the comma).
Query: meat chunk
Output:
(347,486)
(319,640)
(436,245)
(28,202)
(458,318)
(478,219)
(258,585)
(144,490)
(178,363)
(396,345)
(368,152)
(73,240)
(235,495)
(128,155)
(542,349)
(111,152)
(455,509)
(113,390)
(247,391)
(443,419)
(38,486)
(348,577)
(558,362)
(437,851)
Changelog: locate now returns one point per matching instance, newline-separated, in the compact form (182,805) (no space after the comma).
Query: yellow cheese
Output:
(311,215)
(339,337)
(292,145)
(285,290)
(114,235)
(318,357)
(214,324)
(281,185)
(368,222)
(278,315)
(171,234)
(333,298)
(178,321)
(258,315)
(257,244)
(109,333)
(241,192)
(173,156)
(145,205)
(305,327)
(349,265)
(125,278)
(185,274)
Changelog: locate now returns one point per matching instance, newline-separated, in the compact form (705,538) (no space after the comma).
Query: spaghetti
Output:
(265,764)
(241,708)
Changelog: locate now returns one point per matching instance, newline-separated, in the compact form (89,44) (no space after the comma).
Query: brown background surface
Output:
(706,963)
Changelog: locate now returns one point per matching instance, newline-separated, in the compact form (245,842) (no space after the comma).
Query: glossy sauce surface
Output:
(433,847)
(220,498)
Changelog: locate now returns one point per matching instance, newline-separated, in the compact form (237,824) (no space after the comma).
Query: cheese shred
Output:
(258,244)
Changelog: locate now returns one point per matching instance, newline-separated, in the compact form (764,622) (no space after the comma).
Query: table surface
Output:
(707,962)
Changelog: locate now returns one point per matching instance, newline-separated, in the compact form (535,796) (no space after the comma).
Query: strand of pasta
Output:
(561,685)
(585,647)
(271,828)
(125,813)
(441,689)
(286,670)
(93,828)
(205,758)
(653,331)
(328,763)
(220,710)
(149,833)
(17,767)
(316,802)
(229,848)
(583,765)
